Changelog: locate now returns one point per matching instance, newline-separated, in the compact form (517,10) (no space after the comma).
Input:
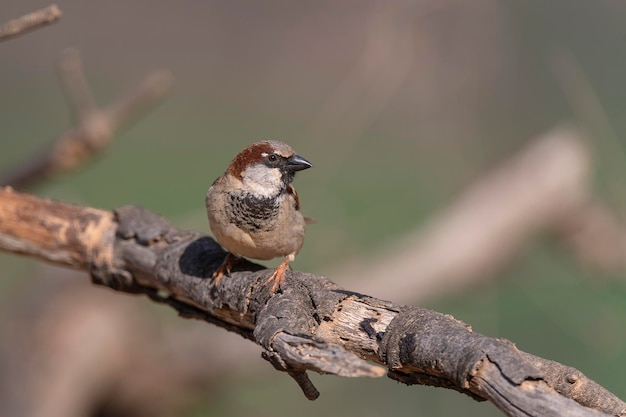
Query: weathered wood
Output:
(313,324)
(64,234)
(514,402)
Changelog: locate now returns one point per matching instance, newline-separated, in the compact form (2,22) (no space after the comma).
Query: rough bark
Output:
(312,324)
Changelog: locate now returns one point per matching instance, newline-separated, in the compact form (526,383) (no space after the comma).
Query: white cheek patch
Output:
(262,181)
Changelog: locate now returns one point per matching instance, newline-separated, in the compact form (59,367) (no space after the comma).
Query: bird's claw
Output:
(224,268)
(278,276)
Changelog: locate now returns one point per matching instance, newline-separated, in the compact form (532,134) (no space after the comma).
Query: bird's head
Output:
(266,168)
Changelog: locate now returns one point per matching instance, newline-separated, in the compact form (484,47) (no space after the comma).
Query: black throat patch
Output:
(253,214)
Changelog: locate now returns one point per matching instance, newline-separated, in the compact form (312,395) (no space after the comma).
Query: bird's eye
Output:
(272,157)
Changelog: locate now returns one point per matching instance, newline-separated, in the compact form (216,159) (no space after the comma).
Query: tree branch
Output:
(312,325)
(30,21)
(94,127)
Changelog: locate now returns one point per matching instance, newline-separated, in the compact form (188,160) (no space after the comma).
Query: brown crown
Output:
(254,154)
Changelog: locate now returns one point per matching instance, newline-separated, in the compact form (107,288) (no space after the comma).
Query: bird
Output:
(254,210)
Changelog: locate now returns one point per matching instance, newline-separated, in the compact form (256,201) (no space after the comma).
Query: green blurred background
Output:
(398,104)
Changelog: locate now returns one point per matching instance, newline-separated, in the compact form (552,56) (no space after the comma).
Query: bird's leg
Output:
(279,274)
(225,267)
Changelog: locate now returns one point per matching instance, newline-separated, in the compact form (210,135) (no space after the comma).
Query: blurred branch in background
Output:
(94,128)
(78,351)
(30,21)
(546,186)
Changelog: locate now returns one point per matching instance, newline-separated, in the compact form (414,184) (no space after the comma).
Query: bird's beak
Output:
(297,163)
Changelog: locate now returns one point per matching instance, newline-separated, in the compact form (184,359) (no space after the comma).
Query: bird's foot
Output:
(229,261)
(278,276)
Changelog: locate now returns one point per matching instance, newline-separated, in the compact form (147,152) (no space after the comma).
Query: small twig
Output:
(152,90)
(75,84)
(30,21)
(94,127)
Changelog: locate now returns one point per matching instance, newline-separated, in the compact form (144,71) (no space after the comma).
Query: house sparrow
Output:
(254,210)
